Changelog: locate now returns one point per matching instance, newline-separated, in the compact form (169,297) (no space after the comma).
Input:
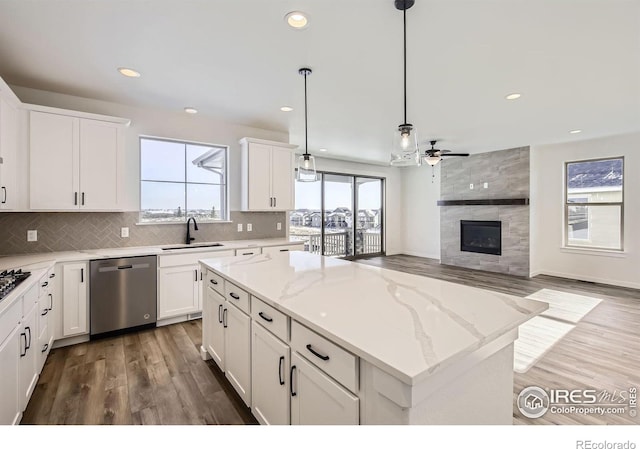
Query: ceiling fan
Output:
(433,155)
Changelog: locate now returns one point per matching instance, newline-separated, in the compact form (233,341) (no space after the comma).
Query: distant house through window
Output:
(594,203)
(182,179)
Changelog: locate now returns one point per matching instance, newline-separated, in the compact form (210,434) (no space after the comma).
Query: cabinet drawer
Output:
(272,319)
(331,358)
(44,286)
(282,248)
(173,260)
(215,282)
(9,319)
(248,251)
(236,296)
(30,299)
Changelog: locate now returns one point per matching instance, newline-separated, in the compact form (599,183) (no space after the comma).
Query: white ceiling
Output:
(576,63)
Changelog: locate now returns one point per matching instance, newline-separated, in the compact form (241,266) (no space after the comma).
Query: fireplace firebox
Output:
(481,236)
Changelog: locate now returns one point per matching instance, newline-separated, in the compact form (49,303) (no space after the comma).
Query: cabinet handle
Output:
(275,202)
(234,296)
(201,275)
(280,371)
(220,313)
(50,301)
(317,354)
(4,197)
(44,312)
(213,281)
(265,317)
(196,279)
(224,318)
(81,275)
(270,201)
(45,347)
(284,250)
(83,198)
(28,345)
(293,393)
(44,284)
(75,198)
(22,354)
(52,275)
(247,254)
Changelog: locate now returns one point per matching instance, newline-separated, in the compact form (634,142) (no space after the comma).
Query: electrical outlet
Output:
(470,186)
(239,227)
(124,232)
(279,226)
(249,227)
(486,185)
(32,236)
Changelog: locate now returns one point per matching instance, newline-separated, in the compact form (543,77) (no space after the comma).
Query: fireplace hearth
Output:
(481,236)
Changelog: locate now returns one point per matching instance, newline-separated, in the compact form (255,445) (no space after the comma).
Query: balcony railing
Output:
(338,243)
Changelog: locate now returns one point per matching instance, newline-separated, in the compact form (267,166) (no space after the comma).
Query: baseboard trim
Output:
(597,280)
(421,254)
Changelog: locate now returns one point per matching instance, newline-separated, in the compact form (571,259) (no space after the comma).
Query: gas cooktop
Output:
(10,280)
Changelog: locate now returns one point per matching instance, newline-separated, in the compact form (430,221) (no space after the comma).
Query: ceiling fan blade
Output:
(456,154)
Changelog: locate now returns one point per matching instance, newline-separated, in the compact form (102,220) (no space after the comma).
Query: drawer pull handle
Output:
(284,250)
(213,281)
(22,354)
(224,318)
(29,344)
(317,354)
(265,317)
(280,371)
(293,393)
(50,301)
(44,312)
(52,275)
(44,284)
(234,296)
(45,347)
(219,313)
(247,254)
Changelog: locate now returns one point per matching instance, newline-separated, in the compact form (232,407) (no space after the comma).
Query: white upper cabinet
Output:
(76,163)
(8,151)
(268,175)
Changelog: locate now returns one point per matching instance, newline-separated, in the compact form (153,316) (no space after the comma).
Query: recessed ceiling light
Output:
(191,110)
(575,131)
(513,96)
(297,20)
(322,149)
(286,109)
(129,72)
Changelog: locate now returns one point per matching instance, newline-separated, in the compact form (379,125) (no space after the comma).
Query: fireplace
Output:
(481,236)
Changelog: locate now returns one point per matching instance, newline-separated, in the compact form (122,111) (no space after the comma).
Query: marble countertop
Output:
(407,325)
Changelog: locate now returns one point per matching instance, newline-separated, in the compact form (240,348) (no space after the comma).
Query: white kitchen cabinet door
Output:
(10,411)
(237,351)
(8,154)
(259,177)
(179,291)
(282,179)
(213,331)
(29,358)
(75,297)
(269,377)
(54,161)
(100,165)
(317,399)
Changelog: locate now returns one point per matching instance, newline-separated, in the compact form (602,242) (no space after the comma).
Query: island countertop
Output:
(407,325)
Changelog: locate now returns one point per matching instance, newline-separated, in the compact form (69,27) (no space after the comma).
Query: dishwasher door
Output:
(122,293)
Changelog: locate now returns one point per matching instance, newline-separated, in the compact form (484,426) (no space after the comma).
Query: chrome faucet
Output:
(195,228)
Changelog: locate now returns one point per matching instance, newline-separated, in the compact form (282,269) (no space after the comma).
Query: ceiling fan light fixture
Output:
(432,160)
(306,162)
(404,150)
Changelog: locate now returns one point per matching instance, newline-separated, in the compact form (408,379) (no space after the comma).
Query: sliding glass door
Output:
(339,215)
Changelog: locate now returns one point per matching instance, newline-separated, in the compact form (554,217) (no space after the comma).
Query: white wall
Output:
(421,218)
(547,222)
(393,213)
(158,123)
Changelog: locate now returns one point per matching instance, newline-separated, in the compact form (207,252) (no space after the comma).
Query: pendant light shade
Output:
(306,162)
(405,151)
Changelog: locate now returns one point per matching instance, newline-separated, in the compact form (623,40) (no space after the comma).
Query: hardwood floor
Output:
(158,377)
(149,377)
(601,353)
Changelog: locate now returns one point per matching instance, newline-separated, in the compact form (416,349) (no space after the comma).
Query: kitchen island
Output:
(310,339)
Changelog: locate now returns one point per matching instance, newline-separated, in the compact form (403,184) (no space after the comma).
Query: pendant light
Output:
(405,143)
(306,162)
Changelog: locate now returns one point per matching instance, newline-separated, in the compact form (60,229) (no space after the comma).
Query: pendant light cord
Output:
(306,149)
(404,14)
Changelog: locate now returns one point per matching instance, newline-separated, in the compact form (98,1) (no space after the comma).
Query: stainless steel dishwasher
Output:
(122,294)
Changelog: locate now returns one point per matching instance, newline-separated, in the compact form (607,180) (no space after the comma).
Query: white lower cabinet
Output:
(213,325)
(237,350)
(29,357)
(317,399)
(75,298)
(179,291)
(10,410)
(270,361)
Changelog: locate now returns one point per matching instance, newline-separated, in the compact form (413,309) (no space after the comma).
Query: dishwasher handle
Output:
(125,267)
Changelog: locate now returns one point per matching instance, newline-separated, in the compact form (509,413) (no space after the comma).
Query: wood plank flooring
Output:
(601,353)
(150,377)
(157,376)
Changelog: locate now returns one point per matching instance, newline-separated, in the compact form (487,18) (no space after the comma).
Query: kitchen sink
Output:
(208,245)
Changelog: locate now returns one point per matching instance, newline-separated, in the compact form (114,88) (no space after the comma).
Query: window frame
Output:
(227,213)
(567,204)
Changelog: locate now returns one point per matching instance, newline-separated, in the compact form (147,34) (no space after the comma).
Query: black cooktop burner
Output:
(10,280)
